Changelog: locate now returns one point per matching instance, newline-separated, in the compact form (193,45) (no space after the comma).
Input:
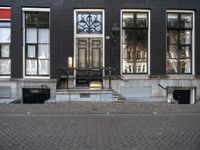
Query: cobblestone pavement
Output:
(98,108)
(100,132)
(148,127)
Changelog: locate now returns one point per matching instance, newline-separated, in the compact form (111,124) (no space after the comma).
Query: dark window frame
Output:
(136,28)
(179,28)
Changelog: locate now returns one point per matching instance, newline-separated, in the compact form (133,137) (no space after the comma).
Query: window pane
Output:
(43,19)
(172,51)
(31,67)
(90,23)
(173,20)
(128,20)
(141,67)
(124,53)
(142,20)
(135,50)
(185,66)
(141,40)
(185,37)
(185,52)
(4,35)
(37,19)
(5,50)
(128,67)
(4,24)
(31,35)
(43,67)
(31,51)
(172,66)
(186,20)
(43,35)
(5,66)
(43,51)
(31,19)
(172,37)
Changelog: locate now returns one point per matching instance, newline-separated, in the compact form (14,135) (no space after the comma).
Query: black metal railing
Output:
(83,77)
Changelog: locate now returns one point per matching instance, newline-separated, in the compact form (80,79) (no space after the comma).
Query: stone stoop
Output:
(85,95)
(118,97)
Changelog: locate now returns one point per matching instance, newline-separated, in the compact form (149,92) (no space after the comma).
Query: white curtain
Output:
(31,35)
(31,51)
(31,67)
(43,36)
(5,66)
(5,35)
(43,51)
(43,67)
(5,50)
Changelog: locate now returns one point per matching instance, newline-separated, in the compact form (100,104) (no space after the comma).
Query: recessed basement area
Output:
(181,95)
(35,95)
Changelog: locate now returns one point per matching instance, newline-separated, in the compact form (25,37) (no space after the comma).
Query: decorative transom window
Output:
(135,31)
(37,47)
(89,22)
(179,42)
(5,38)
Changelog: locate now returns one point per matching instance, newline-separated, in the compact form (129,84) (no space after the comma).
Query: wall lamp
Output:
(114,32)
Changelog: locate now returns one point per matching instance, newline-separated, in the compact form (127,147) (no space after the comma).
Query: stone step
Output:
(84,94)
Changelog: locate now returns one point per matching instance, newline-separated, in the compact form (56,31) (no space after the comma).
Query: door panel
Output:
(96,53)
(88,61)
(96,58)
(89,53)
(82,50)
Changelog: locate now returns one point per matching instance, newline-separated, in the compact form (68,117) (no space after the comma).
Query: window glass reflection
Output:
(179,43)
(173,37)
(172,51)
(142,20)
(172,66)
(185,37)
(135,42)
(128,20)
(186,20)
(172,20)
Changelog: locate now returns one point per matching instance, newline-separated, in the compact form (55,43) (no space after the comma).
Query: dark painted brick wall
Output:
(62,40)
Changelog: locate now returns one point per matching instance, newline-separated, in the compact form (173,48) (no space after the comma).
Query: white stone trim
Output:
(36,9)
(149,42)
(192,96)
(89,35)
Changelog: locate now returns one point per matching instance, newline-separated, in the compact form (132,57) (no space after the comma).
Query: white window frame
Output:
(102,35)
(149,43)
(193,38)
(7,77)
(89,35)
(24,36)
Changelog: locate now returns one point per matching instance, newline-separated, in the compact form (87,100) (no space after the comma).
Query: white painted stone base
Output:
(84,95)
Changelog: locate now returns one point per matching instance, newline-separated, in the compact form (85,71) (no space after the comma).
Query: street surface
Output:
(148,127)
